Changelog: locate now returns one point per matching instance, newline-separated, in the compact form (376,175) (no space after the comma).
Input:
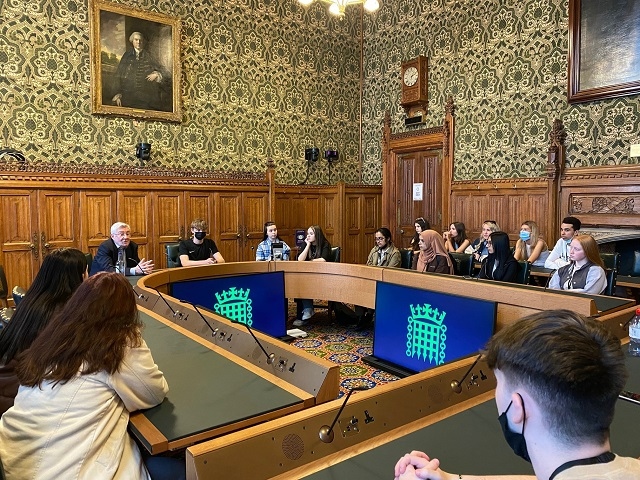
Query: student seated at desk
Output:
(420,226)
(558,377)
(479,246)
(264,251)
(317,249)
(433,256)
(585,272)
(559,256)
(79,380)
(61,273)
(499,264)
(530,246)
(199,250)
(455,239)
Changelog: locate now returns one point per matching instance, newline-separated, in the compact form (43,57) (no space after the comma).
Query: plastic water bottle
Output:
(634,335)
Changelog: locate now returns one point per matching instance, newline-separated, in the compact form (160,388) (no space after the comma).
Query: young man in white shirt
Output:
(559,256)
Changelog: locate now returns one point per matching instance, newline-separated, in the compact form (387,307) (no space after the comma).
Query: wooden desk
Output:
(210,391)
(466,439)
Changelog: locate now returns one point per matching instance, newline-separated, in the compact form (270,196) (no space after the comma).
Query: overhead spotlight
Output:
(331,155)
(143,151)
(311,154)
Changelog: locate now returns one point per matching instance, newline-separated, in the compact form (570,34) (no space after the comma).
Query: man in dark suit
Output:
(120,245)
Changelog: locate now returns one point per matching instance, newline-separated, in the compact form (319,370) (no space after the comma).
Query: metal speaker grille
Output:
(292,446)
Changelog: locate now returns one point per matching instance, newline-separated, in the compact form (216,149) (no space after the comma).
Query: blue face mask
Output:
(524,235)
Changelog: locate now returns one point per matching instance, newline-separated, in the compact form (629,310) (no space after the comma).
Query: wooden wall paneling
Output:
(371,220)
(432,188)
(407,212)
(21,253)
(134,208)
(168,222)
(330,219)
(58,218)
(255,212)
(354,229)
(285,219)
(199,205)
(97,214)
(228,213)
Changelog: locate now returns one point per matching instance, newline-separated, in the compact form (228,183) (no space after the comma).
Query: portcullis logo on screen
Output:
(426,334)
(235,304)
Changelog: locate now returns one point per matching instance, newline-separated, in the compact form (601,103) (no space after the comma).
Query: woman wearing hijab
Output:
(433,256)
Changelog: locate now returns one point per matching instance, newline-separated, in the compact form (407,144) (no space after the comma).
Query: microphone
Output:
(214,331)
(456,385)
(139,295)
(137,264)
(624,325)
(270,356)
(176,313)
(326,432)
(546,285)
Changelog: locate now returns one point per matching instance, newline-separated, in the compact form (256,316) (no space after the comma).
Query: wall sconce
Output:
(143,151)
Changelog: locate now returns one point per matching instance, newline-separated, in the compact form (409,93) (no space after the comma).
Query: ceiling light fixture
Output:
(337,7)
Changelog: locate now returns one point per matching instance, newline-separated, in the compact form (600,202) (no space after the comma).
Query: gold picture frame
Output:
(135,63)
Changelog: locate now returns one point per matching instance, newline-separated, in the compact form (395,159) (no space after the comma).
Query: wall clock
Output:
(414,85)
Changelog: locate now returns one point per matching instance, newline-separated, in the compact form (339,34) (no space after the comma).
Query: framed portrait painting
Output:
(135,63)
(604,49)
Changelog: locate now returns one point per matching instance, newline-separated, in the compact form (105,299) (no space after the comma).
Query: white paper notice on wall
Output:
(417,191)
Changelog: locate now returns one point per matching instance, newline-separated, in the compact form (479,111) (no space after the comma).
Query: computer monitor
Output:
(255,299)
(416,330)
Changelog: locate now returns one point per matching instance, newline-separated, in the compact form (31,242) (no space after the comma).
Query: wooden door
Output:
(58,219)
(255,208)
(418,168)
(228,225)
(97,213)
(168,222)
(20,232)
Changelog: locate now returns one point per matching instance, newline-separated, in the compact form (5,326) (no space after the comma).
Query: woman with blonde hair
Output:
(479,245)
(433,256)
(530,246)
(585,272)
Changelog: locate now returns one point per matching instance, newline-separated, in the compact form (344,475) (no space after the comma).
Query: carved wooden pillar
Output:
(271,179)
(448,136)
(388,176)
(554,171)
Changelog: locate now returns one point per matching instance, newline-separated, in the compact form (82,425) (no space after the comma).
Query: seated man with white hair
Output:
(120,253)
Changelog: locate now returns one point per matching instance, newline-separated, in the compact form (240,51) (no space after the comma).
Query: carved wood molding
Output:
(417,133)
(605,205)
(502,183)
(603,172)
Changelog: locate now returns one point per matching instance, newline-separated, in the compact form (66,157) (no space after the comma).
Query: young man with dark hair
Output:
(558,376)
(559,256)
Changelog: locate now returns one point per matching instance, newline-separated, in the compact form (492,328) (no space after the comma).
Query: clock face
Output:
(410,76)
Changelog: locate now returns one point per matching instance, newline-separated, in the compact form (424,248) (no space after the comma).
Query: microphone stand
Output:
(326,432)
(270,357)
(456,385)
(176,313)
(213,331)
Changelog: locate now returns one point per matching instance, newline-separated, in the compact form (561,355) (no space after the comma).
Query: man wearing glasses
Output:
(120,254)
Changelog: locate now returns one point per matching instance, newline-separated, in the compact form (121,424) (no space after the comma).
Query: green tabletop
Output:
(206,390)
(471,442)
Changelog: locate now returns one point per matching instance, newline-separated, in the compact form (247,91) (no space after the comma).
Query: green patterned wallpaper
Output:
(505,64)
(261,79)
(267,78)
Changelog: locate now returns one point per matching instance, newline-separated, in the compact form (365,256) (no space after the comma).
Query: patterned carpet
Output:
(342,345)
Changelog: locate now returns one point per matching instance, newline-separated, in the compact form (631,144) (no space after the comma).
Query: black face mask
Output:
(200,235)
(515,440)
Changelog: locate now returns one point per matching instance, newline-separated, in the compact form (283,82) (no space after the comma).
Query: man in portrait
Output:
(139,81)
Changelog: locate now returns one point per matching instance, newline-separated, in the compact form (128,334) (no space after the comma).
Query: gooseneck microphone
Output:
(624,325)
(213,331)
(137,265)
(326,431)
(176,313)
(456,385)
(270,356)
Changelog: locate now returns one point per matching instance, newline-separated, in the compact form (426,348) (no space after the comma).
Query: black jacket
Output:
(107,256)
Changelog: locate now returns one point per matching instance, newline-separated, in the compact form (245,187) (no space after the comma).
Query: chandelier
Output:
(337,7)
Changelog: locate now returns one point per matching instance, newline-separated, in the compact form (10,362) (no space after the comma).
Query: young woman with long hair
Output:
(420,226)
(479,246)
(61,273)
(317,249)
(530,246)
(585,272)
(499,264)
(79,380)
(455,239)
(269,236)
